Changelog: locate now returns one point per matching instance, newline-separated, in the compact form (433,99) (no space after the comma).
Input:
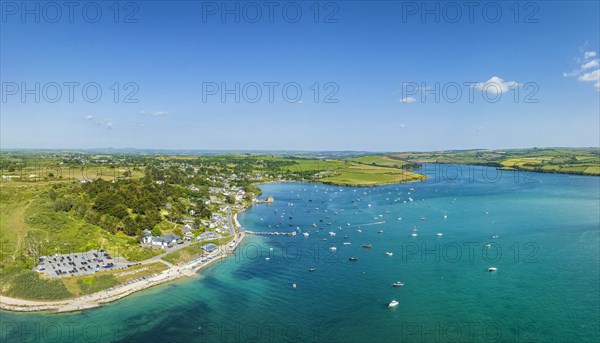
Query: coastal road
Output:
(230,224)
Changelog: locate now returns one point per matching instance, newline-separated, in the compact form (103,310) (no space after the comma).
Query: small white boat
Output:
(495,236)
(397,284)
(440,234)
(359,230)
(393,304)
(306,234)
(488,245)
(380,231)
(445,216)
(331,233)
(333,249)
(347,243)
(492,269)
(267,258)
(293,285)
(389,253)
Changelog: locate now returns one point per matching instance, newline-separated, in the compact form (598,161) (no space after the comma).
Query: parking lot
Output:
(79,263)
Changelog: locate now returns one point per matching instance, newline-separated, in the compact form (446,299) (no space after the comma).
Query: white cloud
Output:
(588,71)
(590,64)
(154,113)
(159,113)
(402,125)
(408,100)
(496,85)
(100,122)
(480,128)
(591,76)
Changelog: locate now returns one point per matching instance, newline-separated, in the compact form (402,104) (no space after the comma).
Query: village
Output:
(225,202)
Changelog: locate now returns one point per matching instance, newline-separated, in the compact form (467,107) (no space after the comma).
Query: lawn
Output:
(380,160)
(81,285)
(186,254)
(14,200)
(354,174)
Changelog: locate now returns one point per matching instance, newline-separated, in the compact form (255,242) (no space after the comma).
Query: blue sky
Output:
(382,61)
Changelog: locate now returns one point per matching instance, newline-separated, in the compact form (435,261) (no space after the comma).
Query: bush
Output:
(28,285)
(96,283)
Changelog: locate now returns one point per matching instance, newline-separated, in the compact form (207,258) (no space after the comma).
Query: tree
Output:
(156,231)
(129,226)
(62,204)
(104,202)
(152,219)
(178,232)
(205,213)
(120,211)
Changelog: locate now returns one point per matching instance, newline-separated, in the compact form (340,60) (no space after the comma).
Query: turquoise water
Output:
(546,288)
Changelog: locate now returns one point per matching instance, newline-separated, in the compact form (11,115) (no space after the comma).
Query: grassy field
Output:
(81,285)
(584,161)
(27,284)
(355,174)
(359,171)
(30,228)
(381,161)
(14,201)
(186,254)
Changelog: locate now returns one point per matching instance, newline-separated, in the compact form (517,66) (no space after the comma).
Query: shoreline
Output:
(94,300)
(330,183)
(189,269)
